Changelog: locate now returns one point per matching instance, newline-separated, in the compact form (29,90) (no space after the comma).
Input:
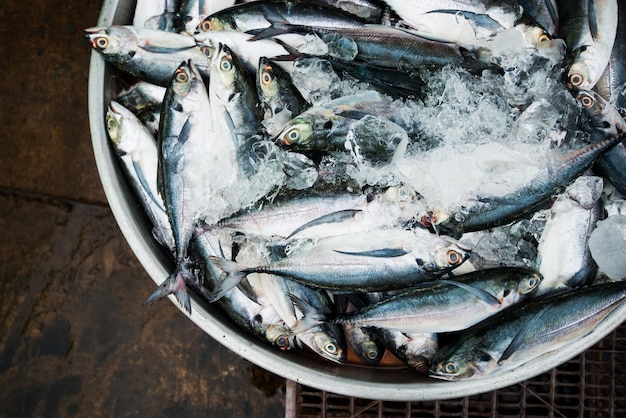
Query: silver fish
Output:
(564,258)
(589,28)
(369,261)
(138,152)
(448,305)
(517,336)
(149,54)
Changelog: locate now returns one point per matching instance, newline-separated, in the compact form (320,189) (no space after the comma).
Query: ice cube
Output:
(608,246)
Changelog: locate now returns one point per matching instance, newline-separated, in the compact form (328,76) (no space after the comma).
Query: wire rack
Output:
(590,385)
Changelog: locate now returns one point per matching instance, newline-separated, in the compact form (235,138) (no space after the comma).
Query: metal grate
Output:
(590,385)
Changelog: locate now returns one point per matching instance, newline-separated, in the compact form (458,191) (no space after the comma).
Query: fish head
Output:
(114,118)
(329,343)
(449,254)
(225,70)
(267,84)
(454,368)
(601,115)
(209,47)
(213,23)
(545,45)
(529,283)
(296,134)
(186,79)
(586,68)
(116,43)
(279,336)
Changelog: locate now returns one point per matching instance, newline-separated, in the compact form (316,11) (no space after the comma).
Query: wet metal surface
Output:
(75,339)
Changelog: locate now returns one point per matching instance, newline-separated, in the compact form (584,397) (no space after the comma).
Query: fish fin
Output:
(521,335)
(334,217)
(163,49)
(174,284)
(593,19)
(476,19)
(146,186)
(351,114)
(233,274)
(382,252)
(479,293)
(311,317)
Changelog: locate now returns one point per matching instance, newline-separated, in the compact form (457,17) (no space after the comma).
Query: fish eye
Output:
(267,76)
(207,51)
(101,42)
(282,341)
(586,101)
(453,257)
(291,136)
(227,63)
(450,367)
(181,76)
(111,123)
(544,37)
(576,80)
(532,282)
(205,25)
(372,354)
(330,348)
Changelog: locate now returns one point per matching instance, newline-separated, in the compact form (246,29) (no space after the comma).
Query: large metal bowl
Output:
(397,384)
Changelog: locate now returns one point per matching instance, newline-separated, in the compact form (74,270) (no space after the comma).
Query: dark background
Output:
(75,339)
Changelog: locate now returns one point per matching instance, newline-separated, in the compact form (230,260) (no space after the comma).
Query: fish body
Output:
(518,335)
(563,251)
(370,261)
(589,28)
(416,349)
(448,305)
(149,54)
(138,152)
(157,14)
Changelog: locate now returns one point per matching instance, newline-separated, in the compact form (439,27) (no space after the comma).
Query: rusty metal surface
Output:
(590,385)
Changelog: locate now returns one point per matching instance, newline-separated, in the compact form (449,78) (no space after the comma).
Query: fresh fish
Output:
(387,47)
(149,54)
(612,87)
(589,28)
(447,305)
(235,104)
(518,335)
(138,152)
(261,15)
(416,349)
(372,11)
(491,211)
(186,169)
(564,258)
(477,26)
(369,261)
(192,12)
(279,98)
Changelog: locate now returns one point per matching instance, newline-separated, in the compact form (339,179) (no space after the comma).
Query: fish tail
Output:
(233,274)
(310,319)
(174,284)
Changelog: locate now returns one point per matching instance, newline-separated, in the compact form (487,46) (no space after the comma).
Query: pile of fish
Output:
(422,178)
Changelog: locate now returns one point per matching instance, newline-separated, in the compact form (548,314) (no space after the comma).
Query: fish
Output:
(142,97)
(137,149)
(446,305)
(564,258)
(519,335)
(370,261)
(544,12)
(279,98)
(151,55)
(589,28)
(261,15)
(491,211)
(235,105)
(186,175)
(416,349)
